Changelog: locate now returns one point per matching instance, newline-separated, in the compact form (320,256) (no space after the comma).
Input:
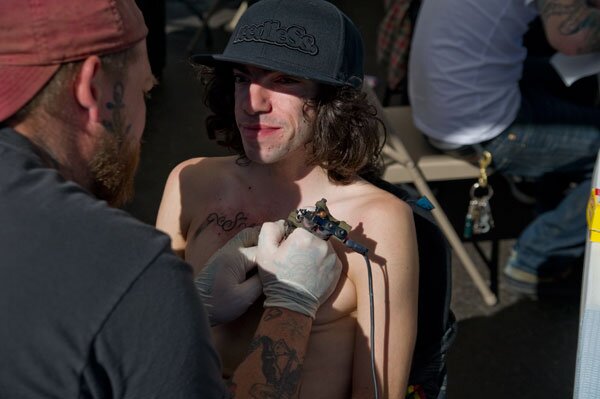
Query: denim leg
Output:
(550,244)
(549,138)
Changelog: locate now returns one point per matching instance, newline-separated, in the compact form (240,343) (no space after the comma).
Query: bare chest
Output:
(213,228)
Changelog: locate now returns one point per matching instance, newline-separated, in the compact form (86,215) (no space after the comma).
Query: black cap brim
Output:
(203,59)
(212,60)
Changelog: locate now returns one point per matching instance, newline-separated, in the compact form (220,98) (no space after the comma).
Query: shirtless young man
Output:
(291,77)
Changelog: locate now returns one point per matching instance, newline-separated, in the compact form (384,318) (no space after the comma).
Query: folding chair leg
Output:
(488,296)
(238,14)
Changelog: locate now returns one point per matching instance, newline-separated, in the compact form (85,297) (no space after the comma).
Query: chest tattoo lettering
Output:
(240,221)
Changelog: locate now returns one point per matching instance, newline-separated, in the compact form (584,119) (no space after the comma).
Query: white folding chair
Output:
(410,159)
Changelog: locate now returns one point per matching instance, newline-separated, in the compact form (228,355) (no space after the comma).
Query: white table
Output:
(587,371)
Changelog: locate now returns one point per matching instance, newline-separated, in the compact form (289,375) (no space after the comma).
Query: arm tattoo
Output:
(295,329)
(576,17)
(280,366)
(116,126)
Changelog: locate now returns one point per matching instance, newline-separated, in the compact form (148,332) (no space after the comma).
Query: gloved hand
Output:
(222,283)
(299,273)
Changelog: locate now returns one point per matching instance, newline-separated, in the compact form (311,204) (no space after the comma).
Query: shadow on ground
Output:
(524,350)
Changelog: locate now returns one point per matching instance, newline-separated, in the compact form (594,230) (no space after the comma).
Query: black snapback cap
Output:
(309,39)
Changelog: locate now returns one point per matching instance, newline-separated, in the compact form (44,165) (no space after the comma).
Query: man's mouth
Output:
(256,130)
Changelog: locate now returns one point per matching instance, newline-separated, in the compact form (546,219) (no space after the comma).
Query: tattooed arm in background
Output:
(572,26)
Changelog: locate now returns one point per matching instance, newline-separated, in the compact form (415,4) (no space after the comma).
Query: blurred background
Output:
(522,347)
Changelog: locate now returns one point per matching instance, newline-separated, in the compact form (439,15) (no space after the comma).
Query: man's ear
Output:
(87,87)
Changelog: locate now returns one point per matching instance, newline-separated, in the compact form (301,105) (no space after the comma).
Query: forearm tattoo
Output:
(576,17)
(293,327)
(117,125)
(281,368)
(280,364)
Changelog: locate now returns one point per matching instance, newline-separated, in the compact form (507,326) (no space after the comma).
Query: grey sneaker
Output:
(525,282)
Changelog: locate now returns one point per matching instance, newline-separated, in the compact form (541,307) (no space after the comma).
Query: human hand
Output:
(222,283)
(299,273)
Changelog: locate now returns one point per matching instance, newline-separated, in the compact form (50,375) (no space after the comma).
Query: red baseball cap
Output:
(36,36)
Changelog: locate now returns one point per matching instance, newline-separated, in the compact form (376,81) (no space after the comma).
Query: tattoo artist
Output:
(94,303)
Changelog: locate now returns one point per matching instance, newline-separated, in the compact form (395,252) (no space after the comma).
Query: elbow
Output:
(570,51)
(572,44)
(565,45)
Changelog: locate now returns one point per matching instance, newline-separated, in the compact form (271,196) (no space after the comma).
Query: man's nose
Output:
(258,99)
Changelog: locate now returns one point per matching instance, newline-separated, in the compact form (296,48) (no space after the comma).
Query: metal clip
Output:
(484,162)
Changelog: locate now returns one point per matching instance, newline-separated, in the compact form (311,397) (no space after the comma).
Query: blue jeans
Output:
(551,137)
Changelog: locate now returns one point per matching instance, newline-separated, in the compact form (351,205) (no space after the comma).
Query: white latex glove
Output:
(299,273)
(222,283)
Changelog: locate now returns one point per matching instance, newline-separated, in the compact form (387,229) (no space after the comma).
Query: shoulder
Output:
(202,167)
(95,249)
(192,188)
(171,326)
(193,176)
(380,220)
(375,205)
(207,171)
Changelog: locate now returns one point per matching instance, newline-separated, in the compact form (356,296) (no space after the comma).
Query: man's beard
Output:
(113,168)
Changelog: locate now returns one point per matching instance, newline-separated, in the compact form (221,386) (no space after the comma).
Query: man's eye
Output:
(288,80)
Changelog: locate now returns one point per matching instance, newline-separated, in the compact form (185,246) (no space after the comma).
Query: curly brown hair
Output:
(347,140)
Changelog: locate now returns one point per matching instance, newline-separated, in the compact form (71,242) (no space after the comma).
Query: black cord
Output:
(363,251)
(372,337)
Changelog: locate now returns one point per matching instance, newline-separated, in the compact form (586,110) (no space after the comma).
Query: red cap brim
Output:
(20,84)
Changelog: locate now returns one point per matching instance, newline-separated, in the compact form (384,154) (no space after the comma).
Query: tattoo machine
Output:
(320,222)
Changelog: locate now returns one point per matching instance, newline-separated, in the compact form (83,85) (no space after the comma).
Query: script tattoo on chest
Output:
(240,221)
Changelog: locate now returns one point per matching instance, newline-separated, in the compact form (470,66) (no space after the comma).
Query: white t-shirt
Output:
(465,64)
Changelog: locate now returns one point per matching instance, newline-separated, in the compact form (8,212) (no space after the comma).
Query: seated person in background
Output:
(467,97)
(286,96)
